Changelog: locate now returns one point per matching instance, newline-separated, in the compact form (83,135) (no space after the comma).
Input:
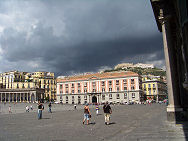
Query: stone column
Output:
(20,97)
(1,96)
(16,97)
(174,108)
(27,95)
(5,97)
(9,97)
(12,97)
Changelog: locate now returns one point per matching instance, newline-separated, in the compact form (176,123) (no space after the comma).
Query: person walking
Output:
(27,108)
(107,111)
(40,108)
(97,110)
(9,109)
(87,114)
(50,107)
(74,106)
(31,107)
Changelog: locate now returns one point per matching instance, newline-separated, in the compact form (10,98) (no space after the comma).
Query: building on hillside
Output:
(154,87)
(141,65)
(114,87)
(124,65)
(14,80)
(131,65)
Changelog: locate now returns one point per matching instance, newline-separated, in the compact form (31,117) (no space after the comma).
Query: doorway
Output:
(94,99)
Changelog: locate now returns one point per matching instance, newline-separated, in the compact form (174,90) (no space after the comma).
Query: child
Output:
(97,110)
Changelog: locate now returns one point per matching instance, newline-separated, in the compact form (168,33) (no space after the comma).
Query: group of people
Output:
(27,108)
(107,112)
(41,108)
(87,114)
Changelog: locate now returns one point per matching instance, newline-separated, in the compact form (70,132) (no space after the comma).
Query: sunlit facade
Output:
(154,87)
(114,87)
(15,80)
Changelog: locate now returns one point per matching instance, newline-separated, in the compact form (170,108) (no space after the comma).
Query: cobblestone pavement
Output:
(128,122)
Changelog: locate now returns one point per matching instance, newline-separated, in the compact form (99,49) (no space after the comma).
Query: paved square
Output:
(128,122)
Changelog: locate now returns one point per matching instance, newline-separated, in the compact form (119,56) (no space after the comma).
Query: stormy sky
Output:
(75,36)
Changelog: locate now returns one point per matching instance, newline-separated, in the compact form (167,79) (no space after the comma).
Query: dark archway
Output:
(94,99)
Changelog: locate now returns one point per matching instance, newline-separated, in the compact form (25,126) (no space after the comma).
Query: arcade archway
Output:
(94,99)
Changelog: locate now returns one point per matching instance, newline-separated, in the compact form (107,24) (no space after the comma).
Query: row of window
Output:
(118,96)
(103,97)
(94,90)
(149,86)
(94,83)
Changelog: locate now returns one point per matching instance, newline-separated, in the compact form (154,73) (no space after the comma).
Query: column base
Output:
(185,85)
(176,114)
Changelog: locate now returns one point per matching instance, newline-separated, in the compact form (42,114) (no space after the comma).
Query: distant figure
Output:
(74,106)
(40,108)
(27,108)
(107,111)
(9,109)
(31,107)
(97,110)
(50,107)
(86,113)
(149,102)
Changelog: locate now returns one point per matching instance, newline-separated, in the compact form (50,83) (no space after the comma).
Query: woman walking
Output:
(86,113)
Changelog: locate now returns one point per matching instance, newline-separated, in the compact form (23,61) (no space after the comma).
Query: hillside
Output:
(142,71)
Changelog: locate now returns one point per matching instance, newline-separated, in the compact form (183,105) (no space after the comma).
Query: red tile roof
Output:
(103,75)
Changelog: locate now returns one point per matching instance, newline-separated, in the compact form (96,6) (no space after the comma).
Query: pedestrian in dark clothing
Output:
(40,108)
(50,107)
(107,111)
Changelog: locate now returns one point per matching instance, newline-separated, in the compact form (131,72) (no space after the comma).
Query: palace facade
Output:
(22,81)
(154,87)
(114,87)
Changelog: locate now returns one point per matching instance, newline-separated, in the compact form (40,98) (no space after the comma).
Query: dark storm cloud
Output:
(77,36)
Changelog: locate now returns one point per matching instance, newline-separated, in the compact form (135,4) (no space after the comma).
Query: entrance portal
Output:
(94,99)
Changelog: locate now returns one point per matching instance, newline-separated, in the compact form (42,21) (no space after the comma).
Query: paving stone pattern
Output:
(128,123)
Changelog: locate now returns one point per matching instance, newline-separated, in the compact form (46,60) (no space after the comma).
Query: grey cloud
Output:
(78,36)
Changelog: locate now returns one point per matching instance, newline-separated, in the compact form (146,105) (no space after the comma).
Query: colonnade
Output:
(20,96)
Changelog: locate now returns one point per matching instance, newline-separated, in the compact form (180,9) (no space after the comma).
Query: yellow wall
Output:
(44,80)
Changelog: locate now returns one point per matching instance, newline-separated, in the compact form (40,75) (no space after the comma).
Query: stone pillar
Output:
(27,95)
(20,97)
(173,109)
(1,96)
(9,97)
(16,97)
(5,97)
(12,97)
(35,96)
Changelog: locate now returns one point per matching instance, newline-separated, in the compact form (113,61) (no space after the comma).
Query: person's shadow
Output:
(112,123)
(92,123)
(46,118)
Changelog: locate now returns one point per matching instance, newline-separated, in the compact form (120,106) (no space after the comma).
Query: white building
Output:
(131,65)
